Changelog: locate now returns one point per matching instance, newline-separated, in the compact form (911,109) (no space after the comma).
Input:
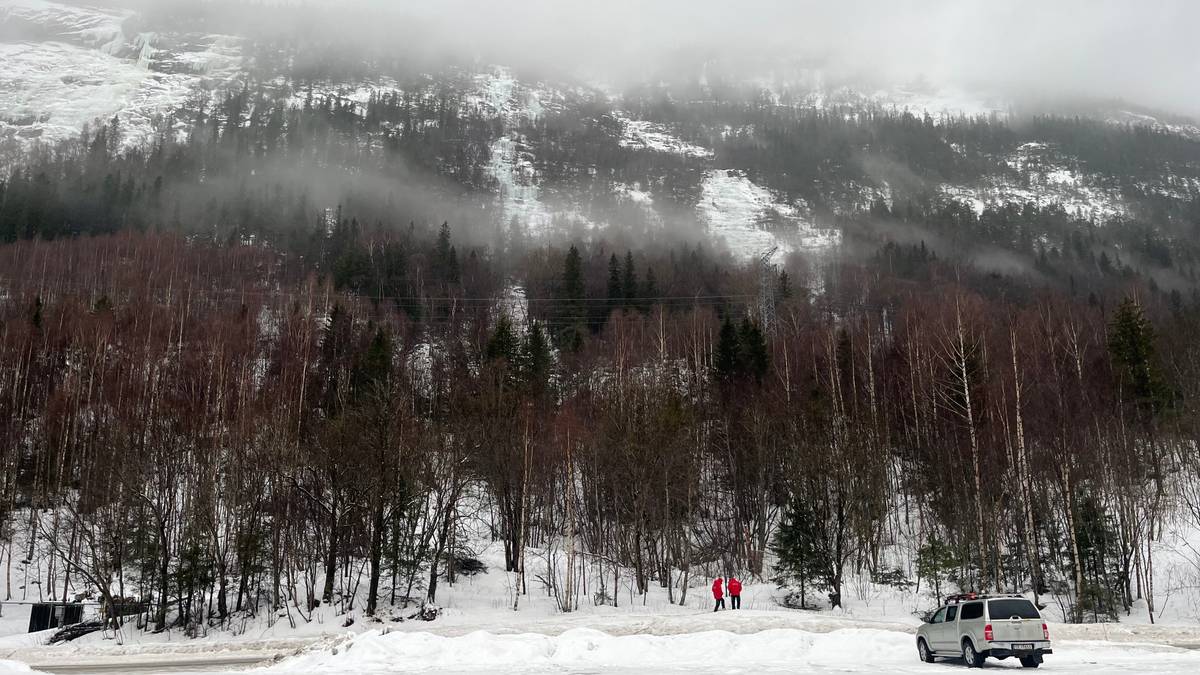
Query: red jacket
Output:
(717,595)
(735,586)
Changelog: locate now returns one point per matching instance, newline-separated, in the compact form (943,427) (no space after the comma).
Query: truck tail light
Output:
(988,635)
(1045,631)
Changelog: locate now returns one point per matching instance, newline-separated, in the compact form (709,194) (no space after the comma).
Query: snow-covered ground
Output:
(751,220)
(584,650)
(13,667)
(479,630)
(1046,178)
(812,88)
(1184,128)
(79,65)
(647,135)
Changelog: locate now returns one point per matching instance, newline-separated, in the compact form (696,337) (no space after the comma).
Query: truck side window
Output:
(972,610)
(951,613)
(939,617)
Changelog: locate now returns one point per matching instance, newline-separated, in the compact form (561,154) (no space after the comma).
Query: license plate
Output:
(1022,645)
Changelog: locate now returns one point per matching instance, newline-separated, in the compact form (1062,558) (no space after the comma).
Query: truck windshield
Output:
(1007,609)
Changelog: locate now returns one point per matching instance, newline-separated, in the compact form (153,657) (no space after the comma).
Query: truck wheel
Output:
(973,658)
(1030,662)
(923,649)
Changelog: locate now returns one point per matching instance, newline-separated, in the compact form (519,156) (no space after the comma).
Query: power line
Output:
(448,299)
(553,305)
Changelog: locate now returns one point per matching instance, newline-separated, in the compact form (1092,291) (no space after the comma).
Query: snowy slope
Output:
(752,221)
(86,26)
(647,135)
(80,65)
(1045,178)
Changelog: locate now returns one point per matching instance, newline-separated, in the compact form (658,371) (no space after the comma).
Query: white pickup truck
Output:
(973,627)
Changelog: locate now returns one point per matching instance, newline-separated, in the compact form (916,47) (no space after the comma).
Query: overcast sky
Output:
(1146,51)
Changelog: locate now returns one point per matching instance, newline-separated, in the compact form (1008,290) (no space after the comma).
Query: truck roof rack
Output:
(965,597)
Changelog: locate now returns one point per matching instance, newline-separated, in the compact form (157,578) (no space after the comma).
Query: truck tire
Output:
(925,652)
(1030,661)
(973,658)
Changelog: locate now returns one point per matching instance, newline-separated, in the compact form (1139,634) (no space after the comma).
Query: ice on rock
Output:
(84,67)
(647,135)
(752,221)
(498,94)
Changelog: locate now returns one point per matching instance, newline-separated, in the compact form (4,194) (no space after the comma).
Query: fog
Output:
(1143,52)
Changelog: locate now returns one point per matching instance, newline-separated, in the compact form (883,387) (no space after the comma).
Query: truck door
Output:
(947,632)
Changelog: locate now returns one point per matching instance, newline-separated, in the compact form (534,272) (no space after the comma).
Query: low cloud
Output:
(1025,49)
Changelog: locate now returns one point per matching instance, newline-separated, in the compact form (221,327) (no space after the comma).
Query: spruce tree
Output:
(536,358)
(753,358)
(453,271)
(1131,344)
(375,367)
(803,559)
(651,288)
(573,293)
(630,284)
(503,345)
(725,357)
(615,291)
(937,562)
(446,256)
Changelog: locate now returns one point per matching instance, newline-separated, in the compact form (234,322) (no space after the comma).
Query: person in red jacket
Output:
(718,595)
(735,593)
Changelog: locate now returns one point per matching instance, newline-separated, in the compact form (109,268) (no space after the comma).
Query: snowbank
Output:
(587,648)
(584,650)
(12,667)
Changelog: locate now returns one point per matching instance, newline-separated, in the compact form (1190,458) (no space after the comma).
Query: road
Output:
(186,664)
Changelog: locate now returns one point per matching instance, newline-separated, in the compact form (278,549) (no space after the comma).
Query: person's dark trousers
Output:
(720,604)
(735,602)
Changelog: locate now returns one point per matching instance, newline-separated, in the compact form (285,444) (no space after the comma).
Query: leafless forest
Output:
(214,428)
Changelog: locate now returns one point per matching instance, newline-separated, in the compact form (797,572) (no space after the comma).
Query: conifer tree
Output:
(753,358)
(651,288)
(573,293)
(1131,344)
(725,357)
(803,558)
(503,345)
(630,283)
(615,292)
(537,358)
(375,366)
(446,256)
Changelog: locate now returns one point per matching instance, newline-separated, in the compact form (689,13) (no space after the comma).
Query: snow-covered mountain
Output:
(678,157)
(67,65)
